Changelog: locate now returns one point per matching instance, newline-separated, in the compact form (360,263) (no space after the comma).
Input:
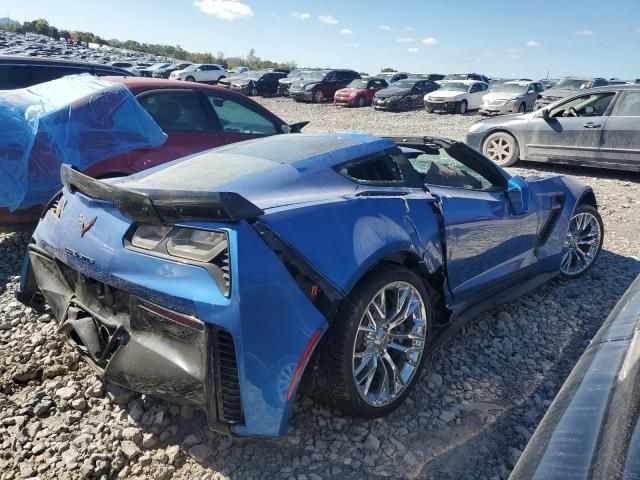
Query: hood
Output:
(392,92)
(289,80)
(349,90)
(270,172)
(299,84)
(446,93)
(501,96)
(558,92)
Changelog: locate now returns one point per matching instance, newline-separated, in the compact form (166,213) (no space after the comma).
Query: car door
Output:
(476,92)
(489,242)
(182,115)
(417,93)
(238,120)
(571,131)
(620,145)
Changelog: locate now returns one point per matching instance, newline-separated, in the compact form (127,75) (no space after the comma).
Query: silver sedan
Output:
(599,127)
(511,97)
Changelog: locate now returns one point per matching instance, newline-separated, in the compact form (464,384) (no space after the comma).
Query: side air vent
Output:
(552,219)
(227,383)
(58,206)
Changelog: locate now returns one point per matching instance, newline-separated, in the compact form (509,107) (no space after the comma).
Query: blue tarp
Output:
(79,119)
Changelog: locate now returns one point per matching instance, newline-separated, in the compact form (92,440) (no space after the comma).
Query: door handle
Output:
(591,125)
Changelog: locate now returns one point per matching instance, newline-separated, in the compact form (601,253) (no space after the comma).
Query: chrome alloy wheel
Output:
(499,150)
(389,343)
(581,245)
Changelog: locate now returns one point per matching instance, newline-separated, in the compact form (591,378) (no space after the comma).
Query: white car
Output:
(456,96)
(510,97)
(200,72)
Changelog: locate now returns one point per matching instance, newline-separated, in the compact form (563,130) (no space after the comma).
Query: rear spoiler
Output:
(163,207)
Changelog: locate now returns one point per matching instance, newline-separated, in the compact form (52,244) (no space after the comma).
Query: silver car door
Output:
(620,146)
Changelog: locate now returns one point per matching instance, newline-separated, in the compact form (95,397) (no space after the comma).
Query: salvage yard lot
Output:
(488,388)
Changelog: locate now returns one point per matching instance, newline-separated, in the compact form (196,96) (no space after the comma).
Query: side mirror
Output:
(518,194)
(544,113)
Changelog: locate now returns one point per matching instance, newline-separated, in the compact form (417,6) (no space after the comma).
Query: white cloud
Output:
(224,9)
(353,45)
(513,53)
(328,19)
(405,40)
(430,41)
(533,44)
(585,33)
(301,16)
(413,50)
(386,28)
(346,31)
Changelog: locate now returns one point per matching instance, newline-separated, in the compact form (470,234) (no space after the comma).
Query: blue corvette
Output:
(335,262)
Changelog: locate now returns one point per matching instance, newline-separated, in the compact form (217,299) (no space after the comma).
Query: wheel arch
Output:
(587,197)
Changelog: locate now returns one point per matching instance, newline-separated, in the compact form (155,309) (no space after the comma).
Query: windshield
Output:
(510,88)
(455,76)
(403,84)
(191,68)
(386,76)
(457,86)
(573,83)
(314,75)
(294,73)
(358,84)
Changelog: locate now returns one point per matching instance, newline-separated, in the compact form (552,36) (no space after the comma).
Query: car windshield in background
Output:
(314,75)
(456,86)
(294,73)
(358,84)
(510,88)
(573,84)
(455,76)
(403,84)
(191,68)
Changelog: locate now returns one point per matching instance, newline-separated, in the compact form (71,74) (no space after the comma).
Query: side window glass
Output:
(629,105)
(474,88)
(237,118)
(176,111)
(331,77)
(593,105)
(439,168)
(382,169)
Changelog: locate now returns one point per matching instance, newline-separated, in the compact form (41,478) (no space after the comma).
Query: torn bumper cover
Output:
(140,345)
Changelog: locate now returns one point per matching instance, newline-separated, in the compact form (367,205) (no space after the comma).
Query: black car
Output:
(466,76)
(426,76)
(22,72)
(321,85)
(166,71)
(258,83)
(404,94)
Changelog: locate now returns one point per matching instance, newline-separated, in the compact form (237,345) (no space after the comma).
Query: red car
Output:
(360,92)
(194,116)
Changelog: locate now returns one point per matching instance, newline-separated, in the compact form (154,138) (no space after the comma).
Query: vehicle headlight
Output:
(198,245)
(149,237)
(475,127)
(309,87)
(394,98)
(188,243)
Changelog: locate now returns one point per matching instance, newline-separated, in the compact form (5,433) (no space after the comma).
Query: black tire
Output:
(522,108)
(462,107)
(492,144)
(334,381)
(253,91)
(361,102)
(429,110)
(407,104)
(190,79)
(586,208)
(318,96)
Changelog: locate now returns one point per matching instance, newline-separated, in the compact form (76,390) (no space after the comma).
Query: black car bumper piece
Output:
(301,95)
(140,345)
(448,107)
(386,104)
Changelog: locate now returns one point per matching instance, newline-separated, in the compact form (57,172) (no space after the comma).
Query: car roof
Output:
(519,82)
(628,86)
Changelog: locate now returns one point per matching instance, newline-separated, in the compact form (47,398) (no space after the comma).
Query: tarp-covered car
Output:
(336,258)
(79,120)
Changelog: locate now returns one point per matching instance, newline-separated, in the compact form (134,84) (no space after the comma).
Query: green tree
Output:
(388,70)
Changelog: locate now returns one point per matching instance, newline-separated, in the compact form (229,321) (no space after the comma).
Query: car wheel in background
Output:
(190,79)
(373,353)
(429,110)
(361,102)
(522,108)
(462,107)
(318,96)
(502,148)
(583,241)
(254,91)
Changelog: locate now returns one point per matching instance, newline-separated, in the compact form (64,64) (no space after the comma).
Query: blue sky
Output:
(494,37)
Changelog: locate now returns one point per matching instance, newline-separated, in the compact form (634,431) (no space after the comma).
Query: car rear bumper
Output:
(449,107)
(164,327)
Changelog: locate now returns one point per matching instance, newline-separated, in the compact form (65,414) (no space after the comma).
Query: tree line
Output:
(42,27)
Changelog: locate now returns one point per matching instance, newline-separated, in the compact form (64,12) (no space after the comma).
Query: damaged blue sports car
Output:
(332,263)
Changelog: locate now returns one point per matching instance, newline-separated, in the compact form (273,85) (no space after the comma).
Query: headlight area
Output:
(208,249)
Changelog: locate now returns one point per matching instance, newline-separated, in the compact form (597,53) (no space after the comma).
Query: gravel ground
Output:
(469,418)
